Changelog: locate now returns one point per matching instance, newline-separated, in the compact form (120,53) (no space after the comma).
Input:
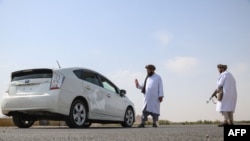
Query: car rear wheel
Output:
(128,118)
(22,121)
(78,115)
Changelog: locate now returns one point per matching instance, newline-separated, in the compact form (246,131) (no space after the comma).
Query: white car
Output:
(78,96)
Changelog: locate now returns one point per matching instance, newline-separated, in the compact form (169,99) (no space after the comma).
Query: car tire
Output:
(128,118)
(22,121)
(78,115)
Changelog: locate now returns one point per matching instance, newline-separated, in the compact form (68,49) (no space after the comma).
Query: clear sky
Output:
(184,39)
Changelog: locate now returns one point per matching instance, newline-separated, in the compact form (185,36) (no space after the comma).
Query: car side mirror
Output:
(122,92)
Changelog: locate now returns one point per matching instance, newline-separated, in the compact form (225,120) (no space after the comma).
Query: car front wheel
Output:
(22,121)
(128,118)
(78,115)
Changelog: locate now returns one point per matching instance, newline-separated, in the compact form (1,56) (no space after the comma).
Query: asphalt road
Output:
(109,133)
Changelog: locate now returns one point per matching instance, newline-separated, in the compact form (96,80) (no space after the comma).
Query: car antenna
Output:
(58,64)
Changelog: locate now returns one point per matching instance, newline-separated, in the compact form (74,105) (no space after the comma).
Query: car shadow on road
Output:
(89,128)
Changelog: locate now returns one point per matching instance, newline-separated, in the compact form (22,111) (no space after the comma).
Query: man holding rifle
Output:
(226,105)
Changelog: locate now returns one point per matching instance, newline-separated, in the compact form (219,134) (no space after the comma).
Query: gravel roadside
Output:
(162,133)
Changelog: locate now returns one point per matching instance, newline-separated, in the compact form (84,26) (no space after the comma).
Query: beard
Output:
(150,73)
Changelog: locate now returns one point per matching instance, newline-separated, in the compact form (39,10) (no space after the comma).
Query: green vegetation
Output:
(204,122)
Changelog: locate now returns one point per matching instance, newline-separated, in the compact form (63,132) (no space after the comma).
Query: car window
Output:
(87,76)
(31,74)
(91,78)
(108,85)
(78,73)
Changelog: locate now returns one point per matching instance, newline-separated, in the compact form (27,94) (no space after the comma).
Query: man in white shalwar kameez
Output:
(153,95)
(227,105)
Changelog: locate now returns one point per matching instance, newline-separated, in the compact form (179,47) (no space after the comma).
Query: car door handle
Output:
(108,95)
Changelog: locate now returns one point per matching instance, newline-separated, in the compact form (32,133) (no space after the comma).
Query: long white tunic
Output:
(154,90)
(228,102)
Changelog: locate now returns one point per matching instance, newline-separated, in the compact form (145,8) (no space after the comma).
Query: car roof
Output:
(77,68)
(87,69)
(64,69)
(55,69)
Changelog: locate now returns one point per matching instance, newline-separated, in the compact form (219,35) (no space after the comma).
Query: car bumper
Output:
(45,102)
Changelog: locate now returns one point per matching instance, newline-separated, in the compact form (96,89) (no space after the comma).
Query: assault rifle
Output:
(213,95)
(217,94)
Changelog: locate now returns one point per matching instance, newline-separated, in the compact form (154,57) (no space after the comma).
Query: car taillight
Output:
(57,80)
